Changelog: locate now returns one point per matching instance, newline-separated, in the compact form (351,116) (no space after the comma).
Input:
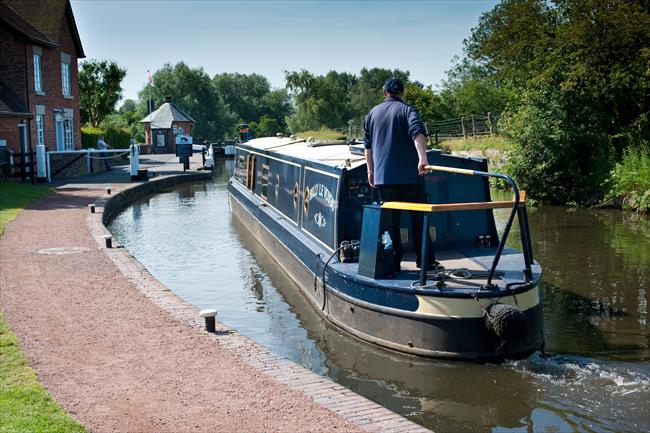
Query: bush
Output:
(630,178)
(556,159)
(118,138)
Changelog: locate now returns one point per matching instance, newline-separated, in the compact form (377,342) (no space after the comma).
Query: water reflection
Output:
(595,378)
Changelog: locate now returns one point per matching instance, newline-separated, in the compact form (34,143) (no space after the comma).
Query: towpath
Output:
(117,361)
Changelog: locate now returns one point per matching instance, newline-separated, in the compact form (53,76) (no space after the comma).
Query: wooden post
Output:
(473,127)
(426,129)
(462,124)
(490,123)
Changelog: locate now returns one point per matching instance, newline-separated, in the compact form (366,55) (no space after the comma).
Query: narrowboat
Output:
(310,206)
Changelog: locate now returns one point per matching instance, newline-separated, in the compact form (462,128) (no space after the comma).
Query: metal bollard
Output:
(109,241)
(209,316)
(108,190)
(92,207)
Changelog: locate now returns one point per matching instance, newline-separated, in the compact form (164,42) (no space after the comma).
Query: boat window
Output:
(265,181)
(277,186)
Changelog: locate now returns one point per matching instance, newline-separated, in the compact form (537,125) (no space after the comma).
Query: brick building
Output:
(163,125)
(39,90)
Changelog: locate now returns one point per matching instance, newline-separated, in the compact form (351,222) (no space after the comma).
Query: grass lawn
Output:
(14,196)
(482,144)
(26,404)
(323,134)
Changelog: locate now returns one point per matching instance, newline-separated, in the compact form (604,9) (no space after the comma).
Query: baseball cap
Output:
(393,85)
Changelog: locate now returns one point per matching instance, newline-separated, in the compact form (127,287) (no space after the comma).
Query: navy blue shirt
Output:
(390,129)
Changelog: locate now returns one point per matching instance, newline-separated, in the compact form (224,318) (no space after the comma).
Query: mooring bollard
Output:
(109,241)
(209,316)
(108,190)
(92,207)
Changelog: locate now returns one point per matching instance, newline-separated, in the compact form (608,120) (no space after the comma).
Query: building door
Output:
(58,129)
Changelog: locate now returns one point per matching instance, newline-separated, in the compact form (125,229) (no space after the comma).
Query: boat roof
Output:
(331,153)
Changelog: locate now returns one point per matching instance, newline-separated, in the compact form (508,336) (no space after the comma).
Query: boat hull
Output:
(407,331)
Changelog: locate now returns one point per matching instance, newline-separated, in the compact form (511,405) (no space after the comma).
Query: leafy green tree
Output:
(471,88)
(581,67)
(320,101)
(249,97)
(369,89)
(266,127)
(99,89)
(428,103)
(192,91)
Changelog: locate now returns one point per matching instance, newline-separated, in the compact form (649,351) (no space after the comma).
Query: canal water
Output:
(593,377)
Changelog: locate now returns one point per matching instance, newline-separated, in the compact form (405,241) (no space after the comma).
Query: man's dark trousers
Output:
(412,193)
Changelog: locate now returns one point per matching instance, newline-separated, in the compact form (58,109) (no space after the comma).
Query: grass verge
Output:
(26,404)
(482,144)
(15,196)
(323,134)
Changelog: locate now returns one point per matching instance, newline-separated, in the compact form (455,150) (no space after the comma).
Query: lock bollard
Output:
(209,316)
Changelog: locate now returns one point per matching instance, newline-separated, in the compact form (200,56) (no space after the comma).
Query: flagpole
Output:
(149,104)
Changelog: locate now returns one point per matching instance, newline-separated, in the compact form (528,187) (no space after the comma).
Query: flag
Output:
(149,77)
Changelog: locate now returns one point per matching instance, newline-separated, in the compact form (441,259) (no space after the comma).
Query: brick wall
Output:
(9,132)
(53,98)
(12,74)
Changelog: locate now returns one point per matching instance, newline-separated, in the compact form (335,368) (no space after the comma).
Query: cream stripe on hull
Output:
(456,308)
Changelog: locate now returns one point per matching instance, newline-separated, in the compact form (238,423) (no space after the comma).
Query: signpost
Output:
(184,150)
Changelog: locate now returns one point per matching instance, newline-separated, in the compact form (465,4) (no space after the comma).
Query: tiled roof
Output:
(163,117)
(19,24)
(48,17)
(10,102)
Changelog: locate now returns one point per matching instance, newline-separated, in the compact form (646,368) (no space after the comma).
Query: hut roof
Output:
(167,113)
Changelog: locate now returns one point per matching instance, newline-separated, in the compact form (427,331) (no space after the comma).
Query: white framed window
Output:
(38,76)
(65,79)
(66,87)
(39,129)
(68,135)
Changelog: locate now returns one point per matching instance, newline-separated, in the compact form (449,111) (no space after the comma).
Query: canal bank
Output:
(117,361)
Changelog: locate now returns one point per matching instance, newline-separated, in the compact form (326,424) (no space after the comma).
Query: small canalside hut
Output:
(163,125)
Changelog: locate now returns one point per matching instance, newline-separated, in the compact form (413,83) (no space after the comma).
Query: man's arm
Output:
(370,165)
(421,146)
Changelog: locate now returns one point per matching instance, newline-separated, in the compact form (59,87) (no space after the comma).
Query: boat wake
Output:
(583,394)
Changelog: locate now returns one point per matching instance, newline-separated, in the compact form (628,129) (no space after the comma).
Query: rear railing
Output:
(518,206)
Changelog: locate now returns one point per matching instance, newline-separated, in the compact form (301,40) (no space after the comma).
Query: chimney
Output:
(168,98)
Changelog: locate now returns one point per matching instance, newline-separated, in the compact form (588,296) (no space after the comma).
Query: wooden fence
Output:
(471,126)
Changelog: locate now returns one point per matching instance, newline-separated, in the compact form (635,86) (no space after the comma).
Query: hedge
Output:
(118,138)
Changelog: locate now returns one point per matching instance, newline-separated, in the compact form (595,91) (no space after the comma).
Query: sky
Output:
(270,37)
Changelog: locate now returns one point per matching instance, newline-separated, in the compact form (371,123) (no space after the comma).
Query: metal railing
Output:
(518,208)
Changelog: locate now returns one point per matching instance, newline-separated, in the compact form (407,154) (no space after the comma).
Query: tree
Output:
(368,90)
(266,127)
(428,103)
(99,89)
(320,101)
(192,91)
(249,97)
(581,68)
